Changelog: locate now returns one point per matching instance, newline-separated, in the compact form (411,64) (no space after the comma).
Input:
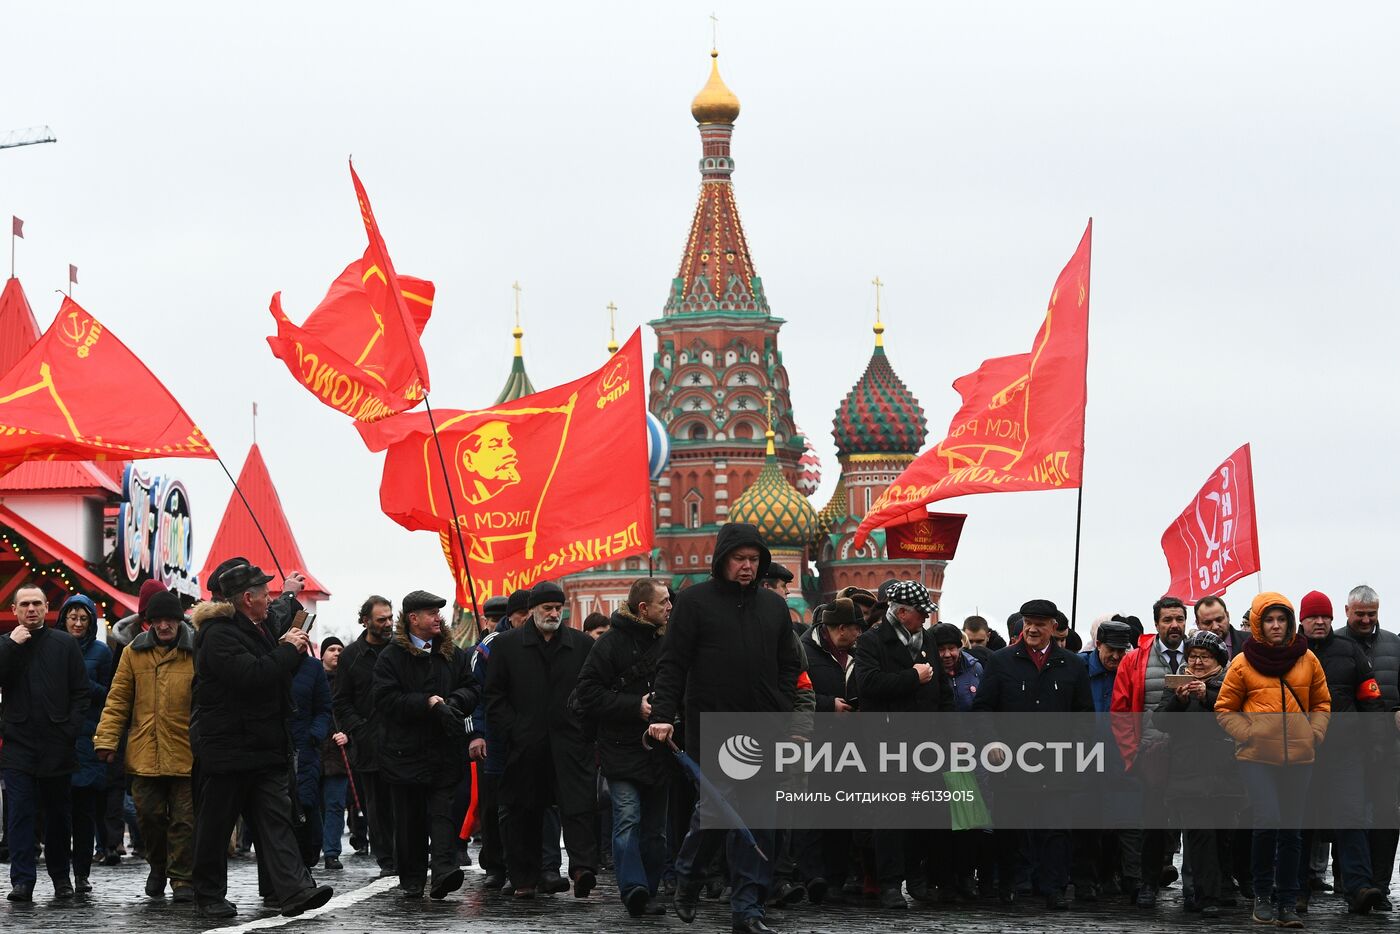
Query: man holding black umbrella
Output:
(729,648)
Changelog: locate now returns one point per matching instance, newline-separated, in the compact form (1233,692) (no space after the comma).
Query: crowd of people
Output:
(224,726)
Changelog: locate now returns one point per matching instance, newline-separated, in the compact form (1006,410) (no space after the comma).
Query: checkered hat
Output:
(912,593)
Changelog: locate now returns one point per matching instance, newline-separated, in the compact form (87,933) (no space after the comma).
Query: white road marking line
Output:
(340,901)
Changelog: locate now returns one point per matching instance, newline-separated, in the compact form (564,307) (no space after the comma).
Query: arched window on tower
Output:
(698,432)
(743,431)
(693,519)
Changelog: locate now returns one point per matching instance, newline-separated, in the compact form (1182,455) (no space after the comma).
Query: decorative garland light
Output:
(20,548)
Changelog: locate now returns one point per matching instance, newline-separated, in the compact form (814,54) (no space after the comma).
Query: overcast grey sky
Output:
(1239,161)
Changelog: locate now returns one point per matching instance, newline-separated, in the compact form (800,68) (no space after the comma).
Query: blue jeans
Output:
(750,875)
(23,794)
(333,788)
(1278,797)
(638,834)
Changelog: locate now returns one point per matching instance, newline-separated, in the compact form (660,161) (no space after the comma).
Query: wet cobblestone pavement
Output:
(364,905)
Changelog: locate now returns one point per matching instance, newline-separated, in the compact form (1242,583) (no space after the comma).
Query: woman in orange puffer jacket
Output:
(1275,705)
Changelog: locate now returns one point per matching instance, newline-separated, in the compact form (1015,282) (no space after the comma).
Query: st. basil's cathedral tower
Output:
(716,362)
(719,387)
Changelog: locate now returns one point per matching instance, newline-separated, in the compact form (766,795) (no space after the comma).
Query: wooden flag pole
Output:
(452,504)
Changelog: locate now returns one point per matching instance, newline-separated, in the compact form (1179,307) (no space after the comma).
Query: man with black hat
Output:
(549,755)
(423,690)
(1035,675)
(729,648)
(356,716)
(1097,852)
(777,579)
(486,749)
(239,735)
(494,609)
(281,610)
(897,669)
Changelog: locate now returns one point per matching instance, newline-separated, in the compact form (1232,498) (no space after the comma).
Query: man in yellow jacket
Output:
(150,701)
(1275,704)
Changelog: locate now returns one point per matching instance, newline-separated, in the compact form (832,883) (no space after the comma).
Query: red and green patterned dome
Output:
(879,415)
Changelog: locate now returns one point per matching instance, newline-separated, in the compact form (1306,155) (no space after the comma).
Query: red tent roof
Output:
(238,535)
(18,329)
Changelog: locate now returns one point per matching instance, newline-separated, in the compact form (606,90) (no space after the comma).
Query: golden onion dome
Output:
(715,103)
(782,514)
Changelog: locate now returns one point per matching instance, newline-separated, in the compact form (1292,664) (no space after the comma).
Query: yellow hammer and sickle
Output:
(46,382)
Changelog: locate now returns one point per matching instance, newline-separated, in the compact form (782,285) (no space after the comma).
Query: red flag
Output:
(551,483)
(403,352)
(72,274)
(16,227)
(931,536)
(1215,540)
(342,352)
(80,394)
(1021,425)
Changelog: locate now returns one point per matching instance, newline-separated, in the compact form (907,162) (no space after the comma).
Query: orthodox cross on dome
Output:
(714,31)
(612,327)
(879,327)
(768,396)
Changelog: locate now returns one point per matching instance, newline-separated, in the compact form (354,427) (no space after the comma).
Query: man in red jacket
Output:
(1139,687)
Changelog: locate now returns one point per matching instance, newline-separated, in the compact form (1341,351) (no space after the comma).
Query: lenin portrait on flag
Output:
(486,462)
(504,460)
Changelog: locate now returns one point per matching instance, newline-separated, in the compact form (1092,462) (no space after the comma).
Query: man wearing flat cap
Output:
(239,735)
(777,579)
(281,610)
(423,691)
(549,754)
(897,669)
(1035,676)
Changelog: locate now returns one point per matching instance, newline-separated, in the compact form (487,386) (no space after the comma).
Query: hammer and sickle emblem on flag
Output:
(46,383)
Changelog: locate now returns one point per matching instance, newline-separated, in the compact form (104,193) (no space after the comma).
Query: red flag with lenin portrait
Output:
(1021,425)
(359,350)
(81,394)
(1215,540)
(545,485)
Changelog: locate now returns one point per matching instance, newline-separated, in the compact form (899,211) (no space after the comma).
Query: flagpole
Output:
(452,504)
(1078,523)
(254,516)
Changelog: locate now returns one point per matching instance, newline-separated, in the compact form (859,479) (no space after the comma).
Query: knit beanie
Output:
(1314,603)
(148,590)
(330,641)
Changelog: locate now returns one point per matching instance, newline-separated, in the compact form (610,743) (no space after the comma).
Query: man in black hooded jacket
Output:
(728,648)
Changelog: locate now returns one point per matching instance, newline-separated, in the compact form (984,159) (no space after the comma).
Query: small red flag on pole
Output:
(16,227)
(1215,540)
(72,277)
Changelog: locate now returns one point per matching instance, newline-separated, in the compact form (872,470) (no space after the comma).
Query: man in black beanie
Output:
(549,757)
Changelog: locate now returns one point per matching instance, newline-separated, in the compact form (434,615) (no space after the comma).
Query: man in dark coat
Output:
(614,689)
(729,648)
(310,725)
(1035,675)
(823,855)
(1382,647)
(549,757)
(423,691)
(45,687)
(897,670)
(489,752)
(241,744)
(334,771)
(1336,777)
(355,715)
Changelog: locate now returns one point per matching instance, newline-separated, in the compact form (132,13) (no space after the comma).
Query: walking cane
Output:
(350,775)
